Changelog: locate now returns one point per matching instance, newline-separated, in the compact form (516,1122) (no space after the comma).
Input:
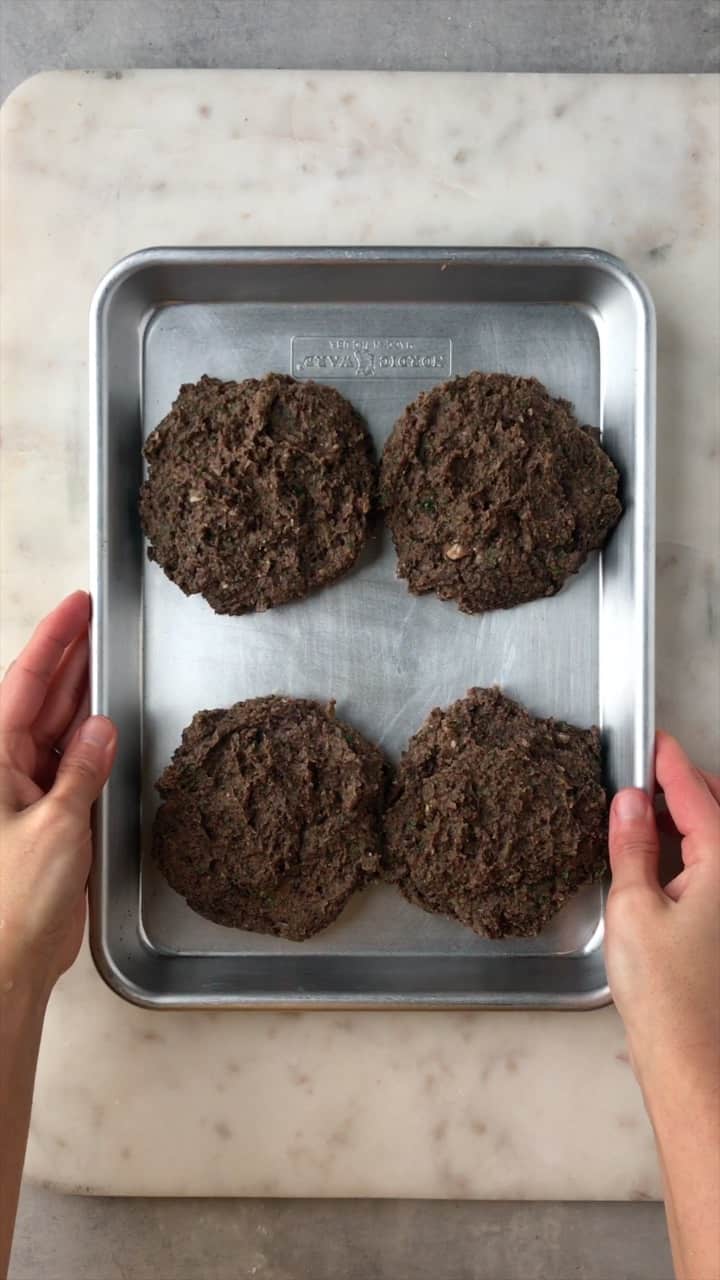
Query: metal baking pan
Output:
(381,325)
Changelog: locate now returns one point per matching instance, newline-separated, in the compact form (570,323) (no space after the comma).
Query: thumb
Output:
(85,766)
(634,845)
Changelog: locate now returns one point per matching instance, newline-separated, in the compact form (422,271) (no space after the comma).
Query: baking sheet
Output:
(381,325)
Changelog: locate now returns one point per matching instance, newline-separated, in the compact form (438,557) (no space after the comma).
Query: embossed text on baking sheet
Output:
(355,356)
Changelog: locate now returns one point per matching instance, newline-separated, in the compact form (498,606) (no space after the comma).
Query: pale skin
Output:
(662,943)
(45,855)
(663,959)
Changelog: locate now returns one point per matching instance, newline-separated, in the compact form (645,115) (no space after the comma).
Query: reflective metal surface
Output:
(381,325)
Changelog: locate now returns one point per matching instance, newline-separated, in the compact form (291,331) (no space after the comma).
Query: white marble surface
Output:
(470,1105)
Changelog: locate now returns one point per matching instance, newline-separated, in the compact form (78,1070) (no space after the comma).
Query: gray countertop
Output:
(57,1237)
(413,35)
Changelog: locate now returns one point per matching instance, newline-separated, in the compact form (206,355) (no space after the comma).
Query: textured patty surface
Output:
(257,491)
(496,817)
(493,492)
(271,815)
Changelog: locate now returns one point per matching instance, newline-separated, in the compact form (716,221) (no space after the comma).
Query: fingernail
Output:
(630,805)
(97,731)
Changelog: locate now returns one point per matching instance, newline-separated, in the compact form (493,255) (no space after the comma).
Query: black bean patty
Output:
(496,817)
(493,492)
(271,815)
(257,491)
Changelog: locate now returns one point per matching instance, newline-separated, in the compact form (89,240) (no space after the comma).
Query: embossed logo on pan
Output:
(356,357)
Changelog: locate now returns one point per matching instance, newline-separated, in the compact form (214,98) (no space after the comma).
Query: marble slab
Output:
(486,1105)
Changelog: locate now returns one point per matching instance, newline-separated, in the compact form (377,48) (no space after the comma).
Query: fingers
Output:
(26,684)
(688,796)
(85,767)
(676,887)
(49,765)
(65,694)
(81,714)
(712,782)
(634,845)
(17,792)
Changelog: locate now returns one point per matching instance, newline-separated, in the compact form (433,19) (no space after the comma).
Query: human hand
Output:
(54,762)
(663,944)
